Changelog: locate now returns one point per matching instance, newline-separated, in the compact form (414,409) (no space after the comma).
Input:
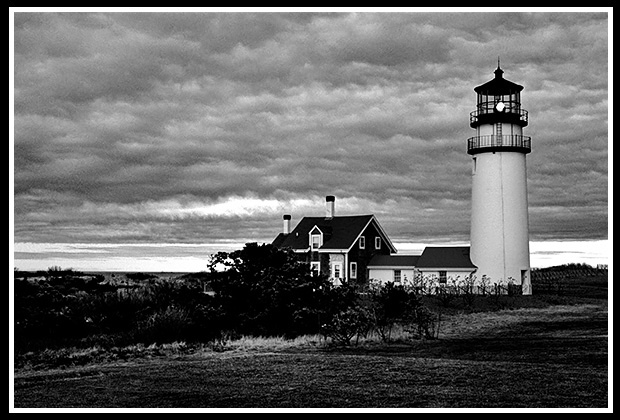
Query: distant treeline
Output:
(57,272)
(573,268)
(571,280)
(52,272)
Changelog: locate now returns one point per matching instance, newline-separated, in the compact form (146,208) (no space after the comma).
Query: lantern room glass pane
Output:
(486,103)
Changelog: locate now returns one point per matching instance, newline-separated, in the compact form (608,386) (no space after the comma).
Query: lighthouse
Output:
(499,213)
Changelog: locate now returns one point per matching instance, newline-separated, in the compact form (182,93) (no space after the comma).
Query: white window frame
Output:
(353,270)
(362,242)
(377,242)
(318,243)
(333,270)
(443,276)
(397,278)
(315,266)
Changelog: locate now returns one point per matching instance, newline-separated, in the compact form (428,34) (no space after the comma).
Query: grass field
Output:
(553,357)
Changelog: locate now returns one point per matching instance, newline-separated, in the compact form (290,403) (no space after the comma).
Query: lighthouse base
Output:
(518,282)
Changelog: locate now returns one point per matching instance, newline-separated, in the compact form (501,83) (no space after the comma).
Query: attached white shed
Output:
(441,264)
(392,268)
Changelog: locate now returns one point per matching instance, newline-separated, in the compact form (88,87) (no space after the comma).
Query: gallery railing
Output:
(504,142)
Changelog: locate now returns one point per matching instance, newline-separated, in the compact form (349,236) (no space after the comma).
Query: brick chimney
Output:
(330,210)
(286,229)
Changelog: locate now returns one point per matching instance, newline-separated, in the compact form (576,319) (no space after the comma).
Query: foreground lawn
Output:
(535,357)
(317,380)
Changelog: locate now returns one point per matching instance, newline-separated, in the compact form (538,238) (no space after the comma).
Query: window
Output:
(316,241)
(337,270)
(362,242)
(443,277)
(353,270)
(315,268)
(377,242)
(396,276)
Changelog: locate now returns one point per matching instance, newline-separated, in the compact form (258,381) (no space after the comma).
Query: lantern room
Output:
(498,118)
(499,100)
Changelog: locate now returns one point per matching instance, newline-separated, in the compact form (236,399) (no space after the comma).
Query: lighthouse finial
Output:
(498,72)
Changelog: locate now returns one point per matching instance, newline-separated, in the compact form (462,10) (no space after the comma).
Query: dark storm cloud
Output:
(202,126)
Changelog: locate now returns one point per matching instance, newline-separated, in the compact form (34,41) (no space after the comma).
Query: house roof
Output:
(445,257)
(394,261)
(339,232)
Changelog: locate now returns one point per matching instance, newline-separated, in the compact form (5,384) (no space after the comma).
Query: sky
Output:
(146,140)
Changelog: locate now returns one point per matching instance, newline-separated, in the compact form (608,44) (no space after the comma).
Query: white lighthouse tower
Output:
(499,217)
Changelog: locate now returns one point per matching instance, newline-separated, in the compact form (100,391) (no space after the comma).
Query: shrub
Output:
(446,296)
(140,276)
(164,326)
(379,307)
(50,314)
(349,323)
(424,324)
(389,304)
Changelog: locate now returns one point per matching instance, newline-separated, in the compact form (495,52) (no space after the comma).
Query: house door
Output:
(336,273)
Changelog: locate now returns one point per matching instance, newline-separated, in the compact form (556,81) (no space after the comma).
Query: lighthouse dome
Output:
(498,86)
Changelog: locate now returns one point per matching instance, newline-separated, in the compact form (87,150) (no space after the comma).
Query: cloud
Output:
(197,126)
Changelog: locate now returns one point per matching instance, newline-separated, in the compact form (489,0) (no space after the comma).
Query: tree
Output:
(264,290)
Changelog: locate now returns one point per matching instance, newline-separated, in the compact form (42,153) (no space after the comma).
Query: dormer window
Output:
(316,242)
(316,238)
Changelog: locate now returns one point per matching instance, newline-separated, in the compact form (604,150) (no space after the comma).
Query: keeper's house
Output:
(337,246)
(357,248)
